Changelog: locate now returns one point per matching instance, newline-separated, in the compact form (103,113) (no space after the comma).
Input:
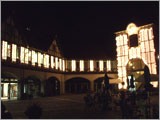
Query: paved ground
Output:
(62,107)
(59,107)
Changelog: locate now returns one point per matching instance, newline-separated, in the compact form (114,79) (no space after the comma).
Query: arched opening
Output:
(77,85)
(9,86)
(135,68)
(52,87)
(32,86)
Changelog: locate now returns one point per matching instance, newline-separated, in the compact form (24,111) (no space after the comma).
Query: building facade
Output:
(29,72)
(135,49)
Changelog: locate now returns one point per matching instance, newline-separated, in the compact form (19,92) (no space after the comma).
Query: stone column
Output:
(92,85)
(62,89)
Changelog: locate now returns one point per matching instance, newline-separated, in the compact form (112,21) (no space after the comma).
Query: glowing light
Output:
(4,50)
(60,64)
(91,65)
(46,61)
(9,51)
(26,55)
(101,65)
(73,65)
(14,50)
(22,55)
(81,65)
(34,57)
(155,84)
(52,62)
(56,63)
(39,59)
(63,65)
(132,29)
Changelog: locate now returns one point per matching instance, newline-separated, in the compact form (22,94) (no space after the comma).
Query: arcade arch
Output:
(77,85)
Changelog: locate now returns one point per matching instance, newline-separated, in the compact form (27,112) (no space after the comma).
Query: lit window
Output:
(81,65)
(52,62)
(56,63)
(101,65)
(39,59)
(29,55)
(63,65)
(46,61)
(155,84)
(60,64)
(9,51)
(34,57)
(73,65)
(109,65)
(26,55)
(14,48)
(4,50)
(22,55)
(91,65)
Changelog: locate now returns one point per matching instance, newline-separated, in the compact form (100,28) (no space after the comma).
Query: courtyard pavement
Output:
(69,106)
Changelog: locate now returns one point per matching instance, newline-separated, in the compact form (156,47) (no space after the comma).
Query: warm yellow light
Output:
(26,55)
(56,63)
(91,65)
(155,84)
(46,61)
(52,62)
(14,50)
(4,50)
(39,59)
(108,65)
(60,64)
(22,55)
(73,65)
(101,65)
(81,65)
(132,29)
(63,65)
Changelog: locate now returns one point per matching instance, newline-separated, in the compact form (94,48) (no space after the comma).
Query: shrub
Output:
(34,111)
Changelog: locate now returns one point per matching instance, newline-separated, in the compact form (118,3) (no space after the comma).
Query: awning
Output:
(154,77)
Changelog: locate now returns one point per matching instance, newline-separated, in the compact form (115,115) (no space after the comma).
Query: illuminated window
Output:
(56,63)
(17,53)
(109,65)
(34,57)
(14,48)
(26,55)
(4,50)
(22,55)
(29,55)
(46,61)
(42,59)
(63,65)
(81,65)
(39,59)
(101,65)
(60,64)
(9,51)
(91,65)
(73,65)
(52,62)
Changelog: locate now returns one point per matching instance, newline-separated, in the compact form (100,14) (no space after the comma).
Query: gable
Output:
(54,49)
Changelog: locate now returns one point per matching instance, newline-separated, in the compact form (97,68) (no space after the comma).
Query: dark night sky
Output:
(84,29)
